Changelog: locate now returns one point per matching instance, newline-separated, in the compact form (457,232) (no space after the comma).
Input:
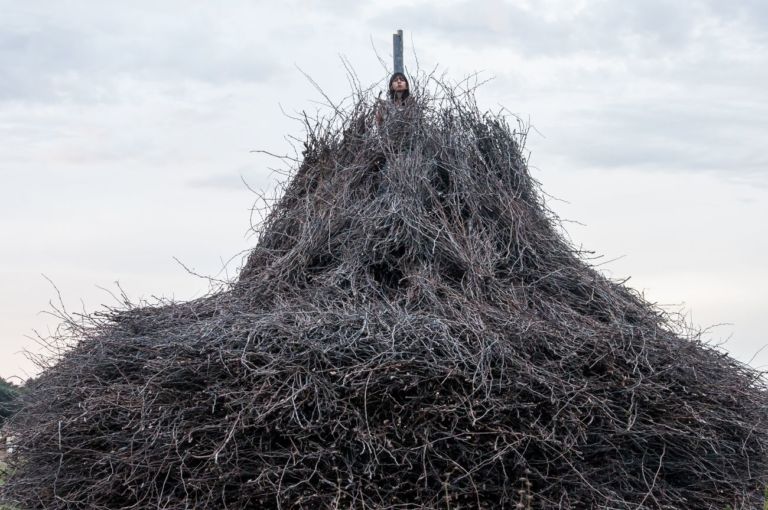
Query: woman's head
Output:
(398,86)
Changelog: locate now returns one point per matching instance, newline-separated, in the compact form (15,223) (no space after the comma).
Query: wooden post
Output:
(397,51)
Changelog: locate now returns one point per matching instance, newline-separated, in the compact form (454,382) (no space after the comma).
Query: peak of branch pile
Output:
(411,330)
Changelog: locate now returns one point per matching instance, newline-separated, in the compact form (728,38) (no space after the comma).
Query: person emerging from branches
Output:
(399,98)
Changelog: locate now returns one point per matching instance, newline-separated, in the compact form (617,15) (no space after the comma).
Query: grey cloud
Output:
(247,177)
(334,7)
(470,22)
(749,12)
(44,61)
(601,27)
(653,23)
(688,137)
(219,181)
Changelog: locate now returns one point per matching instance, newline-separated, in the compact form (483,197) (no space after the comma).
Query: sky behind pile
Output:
(126,132)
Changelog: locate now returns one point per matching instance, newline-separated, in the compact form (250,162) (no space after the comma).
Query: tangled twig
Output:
(411,330)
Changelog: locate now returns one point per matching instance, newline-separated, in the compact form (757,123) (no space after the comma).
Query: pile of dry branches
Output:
(412,330)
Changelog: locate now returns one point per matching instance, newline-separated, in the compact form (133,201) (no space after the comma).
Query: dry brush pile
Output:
(411,330)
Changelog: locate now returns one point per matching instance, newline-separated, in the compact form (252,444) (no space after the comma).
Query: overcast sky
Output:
(126,130)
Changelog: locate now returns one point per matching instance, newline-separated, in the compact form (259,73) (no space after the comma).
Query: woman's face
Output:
(399,84)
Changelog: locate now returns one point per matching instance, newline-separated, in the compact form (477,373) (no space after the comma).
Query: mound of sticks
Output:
(412,330)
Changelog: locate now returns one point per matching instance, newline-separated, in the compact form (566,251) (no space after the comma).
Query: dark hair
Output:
(392,92)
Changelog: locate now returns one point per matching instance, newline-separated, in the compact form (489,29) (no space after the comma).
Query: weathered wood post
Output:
(397,51)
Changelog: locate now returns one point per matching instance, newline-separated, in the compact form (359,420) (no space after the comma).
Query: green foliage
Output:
(9,394)
(3,475)
(9,403)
